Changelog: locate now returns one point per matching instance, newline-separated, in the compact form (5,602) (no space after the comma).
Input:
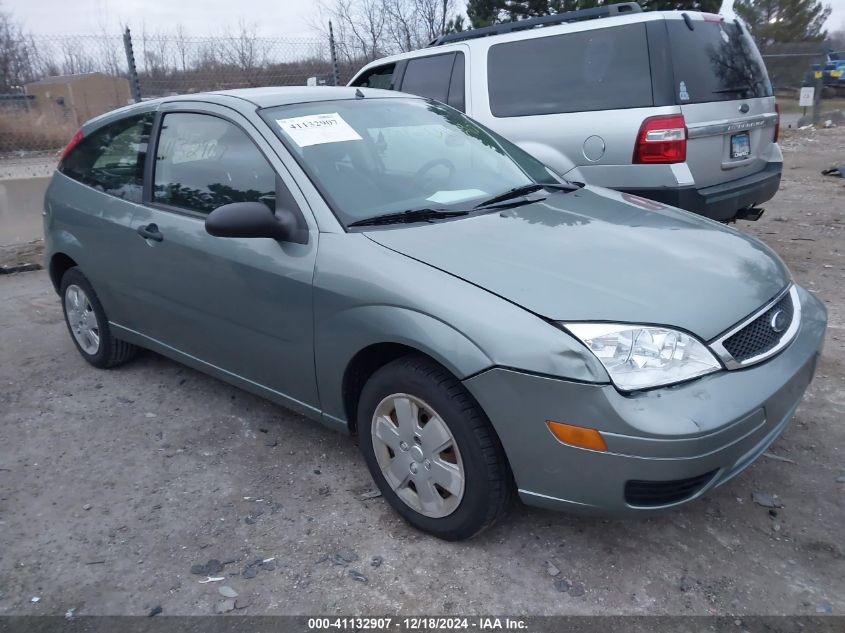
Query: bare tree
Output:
(368,29)
(16,55)
(360,27)
(244,50)
(75,59)
(180,41)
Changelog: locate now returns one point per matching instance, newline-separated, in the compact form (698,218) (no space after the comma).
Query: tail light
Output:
(662,139)
(76,140)
(777,123)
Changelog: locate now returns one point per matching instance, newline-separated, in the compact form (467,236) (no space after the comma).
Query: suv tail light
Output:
(76,140)
(777,123)
(662,139)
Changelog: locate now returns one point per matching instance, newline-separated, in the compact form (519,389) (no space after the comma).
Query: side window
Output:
(601,69)
(379,77)
(457,98)
(204,162)
(111,159)
(429,76)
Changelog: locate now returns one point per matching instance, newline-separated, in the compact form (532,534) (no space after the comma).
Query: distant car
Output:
(673,106)
(384,265)
(834,73)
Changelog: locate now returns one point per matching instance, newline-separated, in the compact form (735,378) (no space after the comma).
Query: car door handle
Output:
(150,232)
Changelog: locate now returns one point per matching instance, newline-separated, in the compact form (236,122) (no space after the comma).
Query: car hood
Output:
(599,255)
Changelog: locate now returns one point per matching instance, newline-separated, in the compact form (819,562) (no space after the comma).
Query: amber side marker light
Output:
(577,436)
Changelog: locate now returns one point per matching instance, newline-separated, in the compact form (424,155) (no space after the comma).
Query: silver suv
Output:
(672,106)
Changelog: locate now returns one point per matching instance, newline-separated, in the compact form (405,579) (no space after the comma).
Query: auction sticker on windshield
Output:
(316,129)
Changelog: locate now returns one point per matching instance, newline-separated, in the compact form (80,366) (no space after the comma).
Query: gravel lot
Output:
(114,484)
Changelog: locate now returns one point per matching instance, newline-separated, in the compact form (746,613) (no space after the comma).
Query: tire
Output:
(88,325)
(435,399)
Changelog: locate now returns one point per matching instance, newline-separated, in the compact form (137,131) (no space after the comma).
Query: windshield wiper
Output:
(411,215)
(516,192)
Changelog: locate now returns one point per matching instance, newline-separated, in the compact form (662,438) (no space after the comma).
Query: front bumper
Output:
(720,202)
(705,431)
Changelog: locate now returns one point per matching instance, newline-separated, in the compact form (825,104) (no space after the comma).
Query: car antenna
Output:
(358,93)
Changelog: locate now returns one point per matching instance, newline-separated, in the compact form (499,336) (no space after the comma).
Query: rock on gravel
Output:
(224,606)
(227,592)
(344,557)
(357,575)
(210,568)
(766,500)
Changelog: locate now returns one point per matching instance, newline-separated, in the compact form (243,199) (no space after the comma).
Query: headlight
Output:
(640,357)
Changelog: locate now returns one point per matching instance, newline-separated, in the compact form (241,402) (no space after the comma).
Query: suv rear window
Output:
(598,69)
(717,61)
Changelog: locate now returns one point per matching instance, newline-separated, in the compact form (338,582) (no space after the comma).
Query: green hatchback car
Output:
(386,266)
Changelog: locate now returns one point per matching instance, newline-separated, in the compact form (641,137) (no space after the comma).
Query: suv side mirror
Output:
(252,219)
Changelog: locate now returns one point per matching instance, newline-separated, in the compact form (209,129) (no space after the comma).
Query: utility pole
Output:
(819,84)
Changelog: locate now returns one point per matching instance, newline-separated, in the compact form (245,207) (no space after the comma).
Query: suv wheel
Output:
(88,325)
(431,449)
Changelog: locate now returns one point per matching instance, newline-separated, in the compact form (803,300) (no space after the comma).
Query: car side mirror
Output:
(252,219)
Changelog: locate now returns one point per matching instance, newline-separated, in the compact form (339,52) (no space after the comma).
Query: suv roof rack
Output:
(543,20)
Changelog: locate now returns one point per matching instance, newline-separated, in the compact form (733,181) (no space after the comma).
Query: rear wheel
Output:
(431,449)
(88,325)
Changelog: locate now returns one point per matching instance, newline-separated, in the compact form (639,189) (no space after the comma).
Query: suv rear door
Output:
(441,76)
(721,86)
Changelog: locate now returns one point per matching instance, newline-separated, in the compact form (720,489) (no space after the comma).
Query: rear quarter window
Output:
(599,69)
(111,158)
(379,77)
(716,61)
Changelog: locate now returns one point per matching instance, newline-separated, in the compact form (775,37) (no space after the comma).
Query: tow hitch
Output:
(751,214)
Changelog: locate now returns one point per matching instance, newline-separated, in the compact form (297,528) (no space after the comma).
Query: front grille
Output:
(758,337)
(660,493)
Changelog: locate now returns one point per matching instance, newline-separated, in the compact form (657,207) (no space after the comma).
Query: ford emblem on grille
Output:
(780,321)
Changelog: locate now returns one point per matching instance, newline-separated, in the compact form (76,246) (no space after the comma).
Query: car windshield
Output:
(373,156)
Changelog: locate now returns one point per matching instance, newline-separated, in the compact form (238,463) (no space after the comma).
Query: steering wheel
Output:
(427,167)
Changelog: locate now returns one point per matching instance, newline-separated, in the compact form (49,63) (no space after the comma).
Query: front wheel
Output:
(431,449)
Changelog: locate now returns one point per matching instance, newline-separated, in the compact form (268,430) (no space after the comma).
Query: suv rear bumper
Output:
(723,201)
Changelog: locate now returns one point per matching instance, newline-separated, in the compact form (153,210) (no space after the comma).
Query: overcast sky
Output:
(199,17)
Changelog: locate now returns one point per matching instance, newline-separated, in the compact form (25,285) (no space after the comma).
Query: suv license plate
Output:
(740,145)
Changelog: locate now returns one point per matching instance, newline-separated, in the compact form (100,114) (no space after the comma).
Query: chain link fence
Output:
(54,84)
(49,86)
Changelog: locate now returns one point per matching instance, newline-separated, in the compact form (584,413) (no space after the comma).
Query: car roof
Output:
(272,96)
(267,97)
